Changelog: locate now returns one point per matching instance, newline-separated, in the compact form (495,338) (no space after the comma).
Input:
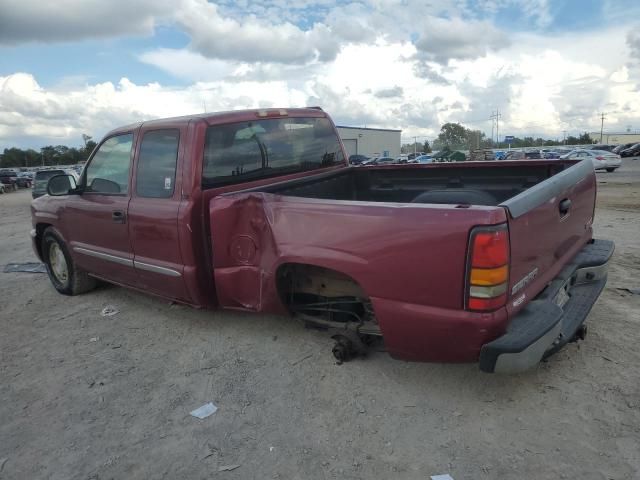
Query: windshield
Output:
(258,149)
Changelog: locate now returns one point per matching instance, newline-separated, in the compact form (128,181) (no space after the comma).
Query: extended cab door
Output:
(153,211)
(95,221)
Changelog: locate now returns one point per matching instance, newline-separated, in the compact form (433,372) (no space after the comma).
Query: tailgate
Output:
(548,224)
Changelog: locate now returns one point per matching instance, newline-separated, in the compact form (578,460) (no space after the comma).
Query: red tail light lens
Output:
(488,275)
(600,158)
(490,249)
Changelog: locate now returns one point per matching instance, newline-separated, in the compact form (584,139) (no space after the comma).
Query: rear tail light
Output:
(600,158)
(488,272)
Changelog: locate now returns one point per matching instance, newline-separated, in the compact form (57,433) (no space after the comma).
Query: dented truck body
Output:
(482,261)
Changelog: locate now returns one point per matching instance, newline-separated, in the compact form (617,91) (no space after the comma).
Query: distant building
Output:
(616,138)
(372,142)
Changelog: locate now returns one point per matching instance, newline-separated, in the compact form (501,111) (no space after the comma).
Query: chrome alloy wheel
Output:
(58,263)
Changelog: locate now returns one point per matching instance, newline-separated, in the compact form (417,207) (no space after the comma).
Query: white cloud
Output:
(372,73)
(69,20)
(252,40)
(48,116)
(633,41)
(457,39)
(536,10)
(188,65)
(393,92)
(267,31)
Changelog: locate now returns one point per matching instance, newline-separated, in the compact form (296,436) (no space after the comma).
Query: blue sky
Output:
(548,65)
(92,60)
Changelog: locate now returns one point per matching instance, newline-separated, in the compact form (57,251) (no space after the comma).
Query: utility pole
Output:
(602,117)
(492,117)
(415,146)
(564,137)
(496,116)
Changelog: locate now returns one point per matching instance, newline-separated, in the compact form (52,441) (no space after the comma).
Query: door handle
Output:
(564,206)
(118,216)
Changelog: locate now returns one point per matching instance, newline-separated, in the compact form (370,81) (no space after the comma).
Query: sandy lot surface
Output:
(89,397)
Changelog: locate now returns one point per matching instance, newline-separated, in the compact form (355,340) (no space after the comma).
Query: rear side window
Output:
(248,151)
(108,171)
(156,172)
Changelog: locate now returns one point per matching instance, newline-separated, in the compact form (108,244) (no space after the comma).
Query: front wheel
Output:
(610,170)
(66,277)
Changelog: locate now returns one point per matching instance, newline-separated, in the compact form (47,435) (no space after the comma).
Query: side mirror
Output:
(61,185)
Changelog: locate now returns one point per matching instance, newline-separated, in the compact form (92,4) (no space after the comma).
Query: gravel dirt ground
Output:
(84,396)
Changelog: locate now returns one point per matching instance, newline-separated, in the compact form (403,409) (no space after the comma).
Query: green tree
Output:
(426,148)
(585,139)
(88,148)
(453,135)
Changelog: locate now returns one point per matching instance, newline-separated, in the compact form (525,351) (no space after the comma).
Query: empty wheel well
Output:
(324,295)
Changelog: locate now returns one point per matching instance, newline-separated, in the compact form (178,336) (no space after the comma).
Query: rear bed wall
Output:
(402,184)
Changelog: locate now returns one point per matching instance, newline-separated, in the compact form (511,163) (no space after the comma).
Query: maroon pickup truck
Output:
(489,262)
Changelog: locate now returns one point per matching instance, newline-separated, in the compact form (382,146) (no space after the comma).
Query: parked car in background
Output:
(520,155)
(357,159)
(2,189)
(606,147)
(24,180)
(513,155)
(632,151)
(42,178)
(562,150)
(411,156)
(9,179)
(532,155)
(601,159)
(380,161)
(551,155)
(423,159)
(619,148)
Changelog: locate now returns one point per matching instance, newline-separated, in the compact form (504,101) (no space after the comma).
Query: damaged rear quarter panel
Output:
(405,252)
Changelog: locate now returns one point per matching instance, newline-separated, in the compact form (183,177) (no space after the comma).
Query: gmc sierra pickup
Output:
(489,262)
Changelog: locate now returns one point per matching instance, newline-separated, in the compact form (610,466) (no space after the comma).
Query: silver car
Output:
(601,159)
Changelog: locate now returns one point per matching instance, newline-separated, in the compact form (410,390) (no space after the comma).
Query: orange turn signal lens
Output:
(489,276)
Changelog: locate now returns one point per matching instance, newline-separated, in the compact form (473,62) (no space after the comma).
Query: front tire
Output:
(67,278)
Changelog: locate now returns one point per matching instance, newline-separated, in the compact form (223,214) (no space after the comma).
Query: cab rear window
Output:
(247,151)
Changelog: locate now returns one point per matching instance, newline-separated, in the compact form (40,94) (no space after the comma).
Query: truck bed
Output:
(396,239)
(487,183)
